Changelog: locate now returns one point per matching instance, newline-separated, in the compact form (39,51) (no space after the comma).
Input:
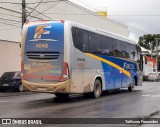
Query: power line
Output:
(34,8)
(10,20)
(108,15)
(18,12)
(40,13)
(54,5)
(9,29)
(10,24)
(134,28)
(10,10)
(68,14)
(9,3)
(51,1)
(91,13)
(9,15)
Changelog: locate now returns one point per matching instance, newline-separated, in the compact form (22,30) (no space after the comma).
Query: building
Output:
(9,56)
(66,10)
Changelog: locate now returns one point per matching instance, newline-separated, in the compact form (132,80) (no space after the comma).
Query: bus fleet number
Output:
(41,46)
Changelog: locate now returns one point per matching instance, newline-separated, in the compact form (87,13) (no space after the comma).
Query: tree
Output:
(148,41)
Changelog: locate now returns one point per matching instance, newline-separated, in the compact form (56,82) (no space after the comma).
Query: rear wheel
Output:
(132,87)
(97,89)
(20,88)
(62,95)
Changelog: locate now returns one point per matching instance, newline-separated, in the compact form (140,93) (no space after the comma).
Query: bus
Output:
(64,57)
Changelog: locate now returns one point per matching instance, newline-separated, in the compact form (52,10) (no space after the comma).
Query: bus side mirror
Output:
(20,45)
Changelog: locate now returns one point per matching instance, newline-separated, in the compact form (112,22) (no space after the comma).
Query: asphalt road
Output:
(143,102)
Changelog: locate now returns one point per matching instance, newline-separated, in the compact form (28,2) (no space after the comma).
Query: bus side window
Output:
(105,47)
(80,39)
(94,43)
(125,50)
(133,52)
(117,48)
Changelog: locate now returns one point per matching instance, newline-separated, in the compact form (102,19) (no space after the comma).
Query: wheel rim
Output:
(97,90)
(20,88)
(133,85)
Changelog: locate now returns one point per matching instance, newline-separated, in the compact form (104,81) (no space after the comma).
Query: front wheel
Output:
(97,89)
(132,87)
(20,88)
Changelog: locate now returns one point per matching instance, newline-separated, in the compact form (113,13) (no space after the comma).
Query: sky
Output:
(141,16)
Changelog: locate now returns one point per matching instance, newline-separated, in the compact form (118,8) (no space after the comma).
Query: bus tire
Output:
(62,95)
(132,87)
(97,90)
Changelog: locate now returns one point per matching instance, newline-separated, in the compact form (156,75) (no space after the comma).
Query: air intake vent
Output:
(43,55)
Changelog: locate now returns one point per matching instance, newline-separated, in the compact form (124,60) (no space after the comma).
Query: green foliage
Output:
(146,41)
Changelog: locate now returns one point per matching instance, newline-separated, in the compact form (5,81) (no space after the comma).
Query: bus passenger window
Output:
(94,43)
(105,50)
(80,39)
(107,46)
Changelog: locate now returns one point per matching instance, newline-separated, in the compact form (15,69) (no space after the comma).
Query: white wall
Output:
(9,56)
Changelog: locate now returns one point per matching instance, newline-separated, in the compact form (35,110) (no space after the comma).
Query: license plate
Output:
(5,84)
(41,89)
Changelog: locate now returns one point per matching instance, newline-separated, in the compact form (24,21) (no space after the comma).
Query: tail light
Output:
(65,72)
(62,21)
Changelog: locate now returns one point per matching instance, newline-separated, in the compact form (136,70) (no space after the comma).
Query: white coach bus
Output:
(64,57)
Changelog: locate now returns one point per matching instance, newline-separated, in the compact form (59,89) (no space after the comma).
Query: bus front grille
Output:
(43,55)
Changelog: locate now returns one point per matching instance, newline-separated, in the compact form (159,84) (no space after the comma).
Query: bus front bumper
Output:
(61,87)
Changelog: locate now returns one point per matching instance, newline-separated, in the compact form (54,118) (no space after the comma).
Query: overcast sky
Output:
(142,16)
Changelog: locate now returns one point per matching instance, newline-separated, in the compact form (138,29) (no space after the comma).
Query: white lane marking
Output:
(145,95)
(2,101)
(151,95)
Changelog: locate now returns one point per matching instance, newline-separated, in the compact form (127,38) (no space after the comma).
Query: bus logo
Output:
(40,30)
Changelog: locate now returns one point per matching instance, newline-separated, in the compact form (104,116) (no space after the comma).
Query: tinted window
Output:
(125,50)
(80,39)
(94,43)
(133,52)
(117,48)
(105,45)
(8,74)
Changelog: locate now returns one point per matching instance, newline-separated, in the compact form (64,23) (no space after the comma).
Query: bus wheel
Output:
(97,89)
(132,87)
(62,95)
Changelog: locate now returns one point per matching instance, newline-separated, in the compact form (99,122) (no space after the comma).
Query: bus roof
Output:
(71,23)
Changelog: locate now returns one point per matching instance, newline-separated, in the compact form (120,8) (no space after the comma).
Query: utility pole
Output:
(23,12)
(157,44)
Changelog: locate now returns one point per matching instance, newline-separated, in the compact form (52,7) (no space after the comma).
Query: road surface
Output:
(143,102)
